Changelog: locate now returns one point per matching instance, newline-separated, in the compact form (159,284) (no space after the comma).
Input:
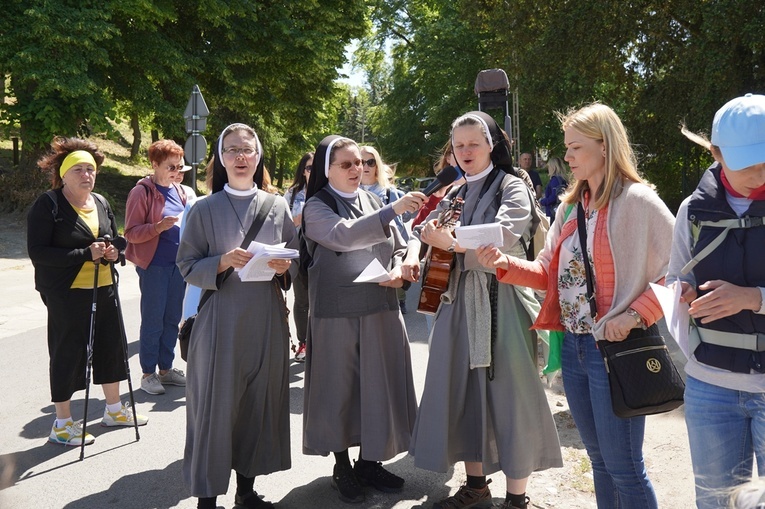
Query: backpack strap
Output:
(257,224)
(54,198)
(727,225)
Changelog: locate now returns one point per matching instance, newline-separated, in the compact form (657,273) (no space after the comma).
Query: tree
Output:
(267,63)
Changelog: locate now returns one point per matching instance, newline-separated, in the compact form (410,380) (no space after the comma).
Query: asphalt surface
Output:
(120,472)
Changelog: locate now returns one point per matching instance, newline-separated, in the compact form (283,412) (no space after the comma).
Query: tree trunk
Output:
(154,135)
(135,148)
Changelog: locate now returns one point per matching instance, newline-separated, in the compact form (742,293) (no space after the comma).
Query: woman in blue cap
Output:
(717,258)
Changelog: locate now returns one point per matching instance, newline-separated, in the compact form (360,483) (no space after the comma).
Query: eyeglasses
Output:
(347,165)
(308,168)
(369,162)
(236,151)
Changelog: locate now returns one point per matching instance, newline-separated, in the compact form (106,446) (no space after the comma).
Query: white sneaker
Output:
(173,377)
(152,385)
(123,417)
(69,434)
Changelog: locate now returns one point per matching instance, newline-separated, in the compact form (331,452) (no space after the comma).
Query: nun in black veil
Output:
(483,402)
(237,391)
(359,389)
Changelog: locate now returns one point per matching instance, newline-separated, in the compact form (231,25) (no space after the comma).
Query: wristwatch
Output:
(634,314)
(452,246)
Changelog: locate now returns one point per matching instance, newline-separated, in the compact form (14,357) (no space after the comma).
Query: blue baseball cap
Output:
(739,130)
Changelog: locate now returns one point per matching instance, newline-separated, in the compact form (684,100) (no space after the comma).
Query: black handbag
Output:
(184,332)
(642,378)
(641,375)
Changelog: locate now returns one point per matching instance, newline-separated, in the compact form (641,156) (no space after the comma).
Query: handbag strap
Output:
(581,226)
(257,223)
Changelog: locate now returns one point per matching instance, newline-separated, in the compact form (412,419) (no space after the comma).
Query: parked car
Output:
(407,184)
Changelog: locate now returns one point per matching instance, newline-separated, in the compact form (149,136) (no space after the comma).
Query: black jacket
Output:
(58,245)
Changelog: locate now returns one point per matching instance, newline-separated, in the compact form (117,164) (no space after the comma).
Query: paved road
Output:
(119,472)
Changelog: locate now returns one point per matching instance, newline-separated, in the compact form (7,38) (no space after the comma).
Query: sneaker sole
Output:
(178,384)
(345,499)
(70,444)
(122,424)
(153,393)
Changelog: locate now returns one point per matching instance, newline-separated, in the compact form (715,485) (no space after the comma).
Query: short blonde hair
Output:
(599,122)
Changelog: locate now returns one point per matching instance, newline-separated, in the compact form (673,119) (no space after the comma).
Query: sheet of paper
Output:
(373,273)
(257,268)
(477,235)
(675,313)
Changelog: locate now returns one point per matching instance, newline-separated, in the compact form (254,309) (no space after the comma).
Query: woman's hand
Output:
(112,253)
(688,294)
(396,280)
(619,327)
(492,258)
(165,224)
(236,258)
(436,237)
(410,271)
(725,299)
(280,265)
(410,202)
(297,220)
(98,250)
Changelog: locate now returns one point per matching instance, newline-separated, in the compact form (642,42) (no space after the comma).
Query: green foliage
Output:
(656,63)
(75,65)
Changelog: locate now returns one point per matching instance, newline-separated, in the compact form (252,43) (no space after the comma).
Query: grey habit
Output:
(359,388)
(237,392)
(504,423)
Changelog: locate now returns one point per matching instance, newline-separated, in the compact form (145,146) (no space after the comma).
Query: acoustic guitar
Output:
(439,263)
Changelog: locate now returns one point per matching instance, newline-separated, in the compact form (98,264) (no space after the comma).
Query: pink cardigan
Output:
(143,209)
(648,237)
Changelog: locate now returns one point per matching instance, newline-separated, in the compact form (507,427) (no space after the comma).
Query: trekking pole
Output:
(115,282)
(89,353)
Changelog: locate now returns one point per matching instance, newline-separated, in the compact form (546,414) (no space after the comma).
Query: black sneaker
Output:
(251,501)
(372,473)
(345,482)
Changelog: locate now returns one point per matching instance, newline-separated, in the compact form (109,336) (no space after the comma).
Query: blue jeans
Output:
(162,291)
(614,445)
(725,429)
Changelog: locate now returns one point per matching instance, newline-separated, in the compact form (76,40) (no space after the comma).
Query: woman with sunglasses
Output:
(295,196)
(153,209)
(375,179)
(359,389)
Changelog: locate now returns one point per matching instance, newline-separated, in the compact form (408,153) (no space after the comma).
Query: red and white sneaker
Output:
(300,354)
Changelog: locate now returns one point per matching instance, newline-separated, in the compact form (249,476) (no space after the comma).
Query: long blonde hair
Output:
(599,122)
(380,175)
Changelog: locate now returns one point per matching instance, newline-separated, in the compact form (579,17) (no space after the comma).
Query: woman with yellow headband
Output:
(63,226)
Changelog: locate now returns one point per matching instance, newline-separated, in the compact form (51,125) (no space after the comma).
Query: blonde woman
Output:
(557,184)
(627,251)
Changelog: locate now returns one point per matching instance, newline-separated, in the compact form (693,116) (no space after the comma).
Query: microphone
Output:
(444,178)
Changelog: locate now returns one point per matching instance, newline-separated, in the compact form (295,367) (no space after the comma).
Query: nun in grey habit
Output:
(359,389)
(237,393)
(483,402)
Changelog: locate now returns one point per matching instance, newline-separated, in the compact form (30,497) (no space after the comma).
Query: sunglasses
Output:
(369,162)
(347,165)
(308,168)
(178,167)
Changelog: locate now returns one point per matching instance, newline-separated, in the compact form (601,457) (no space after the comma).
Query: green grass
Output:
(117,175)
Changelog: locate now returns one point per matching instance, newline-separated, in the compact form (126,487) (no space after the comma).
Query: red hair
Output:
(162,149)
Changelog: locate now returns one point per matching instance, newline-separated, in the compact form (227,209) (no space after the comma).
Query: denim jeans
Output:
(725,429)
(162,291)
(614,445)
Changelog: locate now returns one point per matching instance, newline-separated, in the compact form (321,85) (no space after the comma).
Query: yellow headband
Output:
(74,158)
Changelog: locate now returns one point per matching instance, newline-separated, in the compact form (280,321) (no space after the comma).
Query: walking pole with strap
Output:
(89,354)
(120,243)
